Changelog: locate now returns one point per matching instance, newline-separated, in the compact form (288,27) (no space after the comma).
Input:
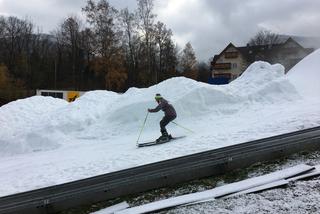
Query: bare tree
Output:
(42,58)
(264,37)
(69,38)
(16,39)
(147,18)
(107,39)
(2,38)
(129,25)
(101,16)
(163,38)
(2,27)
(115,51)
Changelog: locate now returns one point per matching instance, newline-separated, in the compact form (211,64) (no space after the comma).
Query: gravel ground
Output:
(299,197)
(296,198)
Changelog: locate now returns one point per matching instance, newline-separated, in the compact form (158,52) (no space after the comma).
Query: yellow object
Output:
(72,95)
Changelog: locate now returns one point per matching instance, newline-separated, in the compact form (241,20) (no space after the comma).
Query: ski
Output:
(152,143)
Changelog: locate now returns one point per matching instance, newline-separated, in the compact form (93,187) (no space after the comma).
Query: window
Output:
(59,95)
(234,65)
(229,55)
(53,94)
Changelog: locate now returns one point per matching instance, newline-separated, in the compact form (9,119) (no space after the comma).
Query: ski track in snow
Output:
(47,141)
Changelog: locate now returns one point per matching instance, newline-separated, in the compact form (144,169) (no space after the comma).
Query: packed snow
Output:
(46,141)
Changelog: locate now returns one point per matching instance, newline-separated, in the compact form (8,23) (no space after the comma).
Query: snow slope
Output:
(47,141)
(305,76)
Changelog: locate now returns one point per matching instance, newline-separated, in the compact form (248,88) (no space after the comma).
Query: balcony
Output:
(222,66)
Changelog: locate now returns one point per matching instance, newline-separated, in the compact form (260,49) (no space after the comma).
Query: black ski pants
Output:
(165,121)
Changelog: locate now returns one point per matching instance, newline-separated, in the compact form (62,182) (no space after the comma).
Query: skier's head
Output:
(158,97)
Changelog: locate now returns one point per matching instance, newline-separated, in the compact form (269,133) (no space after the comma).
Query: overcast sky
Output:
(208,24)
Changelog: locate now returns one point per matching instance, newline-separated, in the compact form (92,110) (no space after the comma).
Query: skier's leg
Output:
(165,120)
(169,120)
(164,134)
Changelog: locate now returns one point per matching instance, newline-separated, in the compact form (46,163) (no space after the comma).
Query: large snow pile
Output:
(305,76)
(46,141)
(41,123)
(23,116)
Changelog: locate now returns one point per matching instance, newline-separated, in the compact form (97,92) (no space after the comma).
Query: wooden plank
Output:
(113,209)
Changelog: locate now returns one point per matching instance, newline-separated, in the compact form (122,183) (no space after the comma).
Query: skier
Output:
(169,115)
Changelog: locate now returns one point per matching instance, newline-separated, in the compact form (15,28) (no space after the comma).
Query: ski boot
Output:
(164,137)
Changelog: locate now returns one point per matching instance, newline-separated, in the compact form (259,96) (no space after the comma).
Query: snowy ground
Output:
(300,197)
(46,141)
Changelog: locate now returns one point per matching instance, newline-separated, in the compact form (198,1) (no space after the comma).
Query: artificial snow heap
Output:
(42,123)
(305,76)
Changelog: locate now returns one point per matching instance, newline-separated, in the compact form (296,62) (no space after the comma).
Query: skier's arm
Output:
(158,108)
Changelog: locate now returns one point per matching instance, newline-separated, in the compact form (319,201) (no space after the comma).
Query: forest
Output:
(111,50)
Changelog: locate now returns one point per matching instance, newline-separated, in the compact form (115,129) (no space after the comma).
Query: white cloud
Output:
(211,24)
(208,24)
(45,14)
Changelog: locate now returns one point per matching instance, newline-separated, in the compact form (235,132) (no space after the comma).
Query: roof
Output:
(252,52)
(304,41)
(216,57)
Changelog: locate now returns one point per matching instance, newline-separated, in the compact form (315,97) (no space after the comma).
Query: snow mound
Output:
(305,75)
(264,83)
(21,114)
(24,116)
(47,123)
(257,75)
(261,83)
(84,111)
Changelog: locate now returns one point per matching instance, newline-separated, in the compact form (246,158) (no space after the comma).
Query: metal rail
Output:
(165,173)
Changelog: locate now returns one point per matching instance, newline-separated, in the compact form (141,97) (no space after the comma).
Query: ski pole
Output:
(183,127)
(144,122)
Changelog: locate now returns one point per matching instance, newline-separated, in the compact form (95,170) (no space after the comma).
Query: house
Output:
(233,61)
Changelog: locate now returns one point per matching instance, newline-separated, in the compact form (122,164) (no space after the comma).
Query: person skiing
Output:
(169,115)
